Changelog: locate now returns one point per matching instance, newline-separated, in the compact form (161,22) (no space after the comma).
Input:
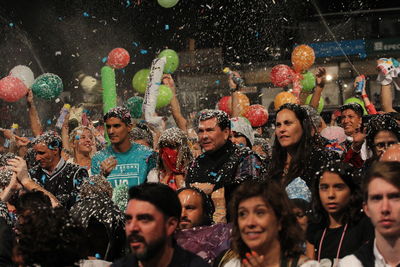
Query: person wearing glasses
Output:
(382,132)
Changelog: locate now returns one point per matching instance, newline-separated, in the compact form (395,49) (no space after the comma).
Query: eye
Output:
(242,214)
(323,187)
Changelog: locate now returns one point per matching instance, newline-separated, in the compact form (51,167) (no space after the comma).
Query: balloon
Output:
(358,101)
(134,105)
(243,104)
(140,80)
(172,60)
(320,104)
(308,82)
(302,58)
(224,104)
(167,3)
(164,96)
(12,89)
(281,75)
(118,58)
(23,73)
(257,115)
(109,88)
(283,98)
(47,86)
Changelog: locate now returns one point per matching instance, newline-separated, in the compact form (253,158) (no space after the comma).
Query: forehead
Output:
(252,202)
(349,112)
(41,147)
(330,177)
(385,134)
(114,120)
(210,123)
(136,207)
(380,186)
(86,132)
(189,196)
(286,114)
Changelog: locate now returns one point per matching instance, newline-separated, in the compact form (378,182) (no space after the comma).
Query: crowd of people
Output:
(212,191)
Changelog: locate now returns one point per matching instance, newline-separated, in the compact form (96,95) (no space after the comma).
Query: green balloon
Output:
(308,82)
(47,86)
(172,60)
(358,101)
(134,105)
(320,104)
(167,3)
(164,96)
(109,88)
(140,80)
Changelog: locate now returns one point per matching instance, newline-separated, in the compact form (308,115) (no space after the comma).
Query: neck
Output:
(54,165)
(82,159)
(272,253)
(163,259)
(389,248)
(122,147)
(335,220)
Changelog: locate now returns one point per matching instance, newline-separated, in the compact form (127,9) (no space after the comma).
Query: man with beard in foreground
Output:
(152,216)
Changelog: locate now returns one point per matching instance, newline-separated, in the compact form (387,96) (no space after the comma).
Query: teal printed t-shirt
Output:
(132,166)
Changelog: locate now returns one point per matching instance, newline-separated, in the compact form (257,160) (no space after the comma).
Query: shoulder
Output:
(99,155)
(227,258)
(350,260)
(141,148)
(184,257)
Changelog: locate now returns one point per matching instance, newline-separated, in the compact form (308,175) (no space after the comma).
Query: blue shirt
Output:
(132,166)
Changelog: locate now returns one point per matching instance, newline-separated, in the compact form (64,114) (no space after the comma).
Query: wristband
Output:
(364,96)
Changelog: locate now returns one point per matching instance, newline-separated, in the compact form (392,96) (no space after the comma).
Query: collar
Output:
(58,167)
(379,259)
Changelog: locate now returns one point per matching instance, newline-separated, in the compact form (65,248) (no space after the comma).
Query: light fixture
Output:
(329,77)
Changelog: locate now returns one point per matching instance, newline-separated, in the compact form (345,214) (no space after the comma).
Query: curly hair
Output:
(49,237)
(352,212)
(307,143)
(290,235)
(378,123)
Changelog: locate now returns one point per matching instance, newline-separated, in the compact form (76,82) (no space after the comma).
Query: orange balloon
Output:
(303,58)
(283,98)
(243,104)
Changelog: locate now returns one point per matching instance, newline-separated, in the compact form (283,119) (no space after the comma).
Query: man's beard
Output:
(150,250)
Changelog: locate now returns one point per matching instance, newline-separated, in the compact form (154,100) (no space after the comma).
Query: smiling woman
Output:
(265,231)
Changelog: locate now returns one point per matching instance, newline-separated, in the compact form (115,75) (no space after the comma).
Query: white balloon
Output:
(23,73)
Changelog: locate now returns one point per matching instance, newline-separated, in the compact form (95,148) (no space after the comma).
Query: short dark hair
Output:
(386,170)
(221,116)
(357,108)
(160,195)
(120,113)
(381,122)
(32,200)
(207,203)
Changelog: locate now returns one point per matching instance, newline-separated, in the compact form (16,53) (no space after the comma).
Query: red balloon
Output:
(12,89)
(118,58)
(257,115)
(281,75)
(224,104)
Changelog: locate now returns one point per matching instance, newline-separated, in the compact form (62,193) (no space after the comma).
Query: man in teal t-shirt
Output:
(123,162)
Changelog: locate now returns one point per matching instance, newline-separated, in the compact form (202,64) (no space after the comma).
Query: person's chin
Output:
(185,225)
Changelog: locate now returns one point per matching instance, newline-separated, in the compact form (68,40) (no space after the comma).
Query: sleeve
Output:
(371,109)
(250,167)
(353,158)
(95,166)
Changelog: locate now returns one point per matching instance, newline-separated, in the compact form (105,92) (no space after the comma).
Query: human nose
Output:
(250,221)
(331,193)
(132,226)
(385,206)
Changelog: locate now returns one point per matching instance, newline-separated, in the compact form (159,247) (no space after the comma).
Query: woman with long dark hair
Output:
(298,149)
(340,227)
(265,231)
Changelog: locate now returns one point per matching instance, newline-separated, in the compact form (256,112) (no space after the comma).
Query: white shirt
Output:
(352,260)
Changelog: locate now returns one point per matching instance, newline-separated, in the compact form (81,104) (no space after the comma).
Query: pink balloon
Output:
(12,89)
(282,75)
(224,104)
(118,58)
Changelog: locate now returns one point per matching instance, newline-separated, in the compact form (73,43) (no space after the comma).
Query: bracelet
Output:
(364,96)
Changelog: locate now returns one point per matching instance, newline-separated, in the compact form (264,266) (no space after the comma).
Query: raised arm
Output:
(321,78)
(34,119)
(181,122)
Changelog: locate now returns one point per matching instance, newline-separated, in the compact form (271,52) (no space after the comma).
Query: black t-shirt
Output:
(356,235)
(181,258)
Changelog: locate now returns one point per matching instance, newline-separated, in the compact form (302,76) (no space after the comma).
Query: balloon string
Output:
(334,37)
